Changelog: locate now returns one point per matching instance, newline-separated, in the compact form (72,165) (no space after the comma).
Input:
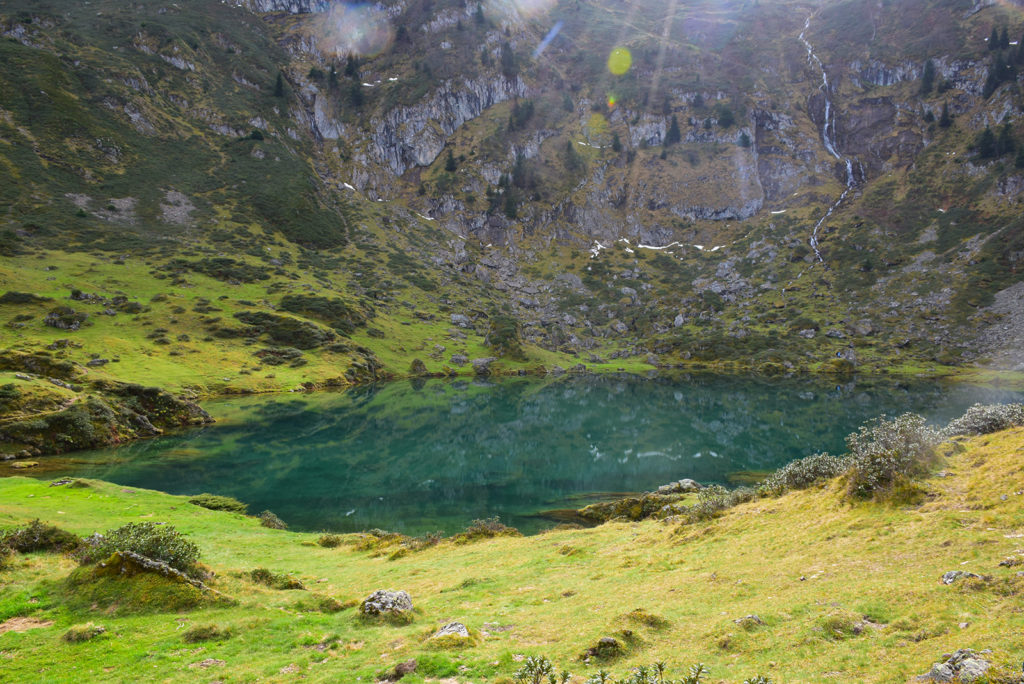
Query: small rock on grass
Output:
(209,662)
(954,575)
(453,629)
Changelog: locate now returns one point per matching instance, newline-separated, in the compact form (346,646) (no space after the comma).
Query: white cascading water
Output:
(828,136)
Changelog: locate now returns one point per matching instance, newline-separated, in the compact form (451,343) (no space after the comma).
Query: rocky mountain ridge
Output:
(732,193)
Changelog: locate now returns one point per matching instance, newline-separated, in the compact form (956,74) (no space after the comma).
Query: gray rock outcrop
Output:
(452,629)
(386,602)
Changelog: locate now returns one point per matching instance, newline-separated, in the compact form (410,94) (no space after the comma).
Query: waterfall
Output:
(828,137)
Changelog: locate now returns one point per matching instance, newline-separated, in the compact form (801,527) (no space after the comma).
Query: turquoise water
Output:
(434,455)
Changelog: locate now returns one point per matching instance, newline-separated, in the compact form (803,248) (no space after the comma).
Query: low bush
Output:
(711,501)
(268,519)
(803,473)
(216,502)
(205,633)
(65,318)
(285,330)
(36,536)
(275,580)
(886,452)
(330,541)
(156,542)
(485,529)
(336,313)
(79,633)
(540,670)
(982,419)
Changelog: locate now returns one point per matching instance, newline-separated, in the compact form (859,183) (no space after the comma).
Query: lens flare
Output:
(526,8)
(619,61)
(611,102)
(354,30)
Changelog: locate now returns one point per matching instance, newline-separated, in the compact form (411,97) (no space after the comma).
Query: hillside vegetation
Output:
(853,591)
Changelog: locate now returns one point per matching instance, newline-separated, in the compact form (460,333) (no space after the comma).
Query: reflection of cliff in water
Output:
(438,454)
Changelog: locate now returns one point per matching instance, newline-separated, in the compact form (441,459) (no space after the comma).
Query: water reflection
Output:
(430,455)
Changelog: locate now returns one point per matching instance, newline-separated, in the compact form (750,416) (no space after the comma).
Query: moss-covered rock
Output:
(127,583)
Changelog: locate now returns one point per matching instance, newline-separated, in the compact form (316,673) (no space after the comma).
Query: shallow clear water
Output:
(435,455)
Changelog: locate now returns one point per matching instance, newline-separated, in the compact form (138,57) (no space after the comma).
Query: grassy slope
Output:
(805,563)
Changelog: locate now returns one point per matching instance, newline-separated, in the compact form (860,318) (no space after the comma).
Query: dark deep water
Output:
(432,455)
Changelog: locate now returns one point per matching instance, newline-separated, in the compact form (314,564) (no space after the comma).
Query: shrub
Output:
(5,556)
(274,580)
(803,473)
(287,331)
(206,633)
(80,633)
(886,452)
(39,537)
(65,318)
(337,313)
(982,419)
(268,519)
(711,501)
(215,502)
(156,542)
(485,529)
(330,541)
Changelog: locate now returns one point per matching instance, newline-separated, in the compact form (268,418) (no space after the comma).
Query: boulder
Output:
(386,602)
(452,629)
(964,665)
(460,320)
(482,366)
(684,486)
(460,359)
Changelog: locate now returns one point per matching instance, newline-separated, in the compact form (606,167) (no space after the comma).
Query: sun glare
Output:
(619,61)
(354,29)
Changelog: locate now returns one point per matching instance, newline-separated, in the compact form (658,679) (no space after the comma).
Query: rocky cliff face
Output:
(414,136)
(288,6)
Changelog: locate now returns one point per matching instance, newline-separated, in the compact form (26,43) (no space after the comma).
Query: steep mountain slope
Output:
(336,190)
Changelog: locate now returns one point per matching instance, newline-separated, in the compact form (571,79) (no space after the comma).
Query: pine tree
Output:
(744,140)
(510,209)
(479,16)
(673,136)
(279,85)
(1004,39)
(352,67)
(508,60)
(928,77)
(993,39)
(355,95)
(1019,161)
(616,143)
(698,101)
(449,162)
(1005,144)
(985,145)
(945,121)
